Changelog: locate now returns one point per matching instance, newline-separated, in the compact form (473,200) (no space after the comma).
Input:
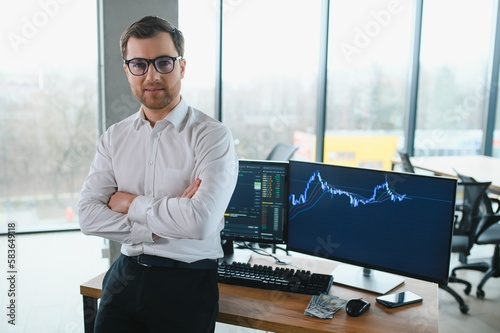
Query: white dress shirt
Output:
(158,163)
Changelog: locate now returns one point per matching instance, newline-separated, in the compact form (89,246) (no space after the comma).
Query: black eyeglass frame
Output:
(153,61)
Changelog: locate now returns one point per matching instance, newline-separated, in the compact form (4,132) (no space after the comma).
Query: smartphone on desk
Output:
(399,299)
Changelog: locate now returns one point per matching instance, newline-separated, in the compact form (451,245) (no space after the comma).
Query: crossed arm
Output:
(121,201)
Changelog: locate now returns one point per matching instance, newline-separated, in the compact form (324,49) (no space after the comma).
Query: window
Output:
(453,90)
(369,59)
(496,132)
(48,110)
(198,21)
(270,69)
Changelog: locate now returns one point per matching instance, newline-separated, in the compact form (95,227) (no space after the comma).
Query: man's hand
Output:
(191,189)
(120,202)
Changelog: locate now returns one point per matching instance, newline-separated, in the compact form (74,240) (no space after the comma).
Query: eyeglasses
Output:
(162,64)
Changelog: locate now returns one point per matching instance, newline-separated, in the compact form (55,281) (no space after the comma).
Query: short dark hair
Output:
(150,26)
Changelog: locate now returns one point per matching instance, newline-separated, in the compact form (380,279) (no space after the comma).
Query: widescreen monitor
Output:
(375,222)
(258,207)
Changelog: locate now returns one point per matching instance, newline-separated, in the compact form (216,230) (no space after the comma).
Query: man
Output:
(159,184)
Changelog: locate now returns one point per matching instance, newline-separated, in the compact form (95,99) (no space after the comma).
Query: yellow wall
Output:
(368,151)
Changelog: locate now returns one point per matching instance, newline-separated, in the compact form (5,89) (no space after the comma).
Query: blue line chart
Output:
(316,188)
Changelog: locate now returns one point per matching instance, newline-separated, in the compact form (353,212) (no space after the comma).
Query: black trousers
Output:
(136,298)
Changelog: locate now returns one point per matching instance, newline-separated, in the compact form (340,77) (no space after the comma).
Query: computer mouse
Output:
(356,307)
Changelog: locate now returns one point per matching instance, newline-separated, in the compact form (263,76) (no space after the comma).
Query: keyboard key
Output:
(274,278)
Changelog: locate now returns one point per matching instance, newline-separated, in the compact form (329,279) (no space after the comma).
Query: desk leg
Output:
(89,313)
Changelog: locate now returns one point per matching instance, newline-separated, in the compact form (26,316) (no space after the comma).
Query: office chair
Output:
(466,222)
(486,207)
(491,202)
(460,239)
(282,152)
(489,234)
(405,162)
(467,226)
(486,232)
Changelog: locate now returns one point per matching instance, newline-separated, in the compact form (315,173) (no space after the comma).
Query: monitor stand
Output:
(234,255)
(365,278)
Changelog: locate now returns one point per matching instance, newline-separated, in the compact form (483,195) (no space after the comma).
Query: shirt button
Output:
(150,162)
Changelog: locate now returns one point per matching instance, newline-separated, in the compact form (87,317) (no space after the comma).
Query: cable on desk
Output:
(264,253)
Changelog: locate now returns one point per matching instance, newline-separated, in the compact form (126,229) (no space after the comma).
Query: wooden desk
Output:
(91,292)
(482,168)
(283,312)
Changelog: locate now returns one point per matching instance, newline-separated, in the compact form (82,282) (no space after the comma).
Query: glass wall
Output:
(198,21)
(270,70)
(48,110)
(271,62)
(496,132)
(370,43)
(270,73)
(457,43)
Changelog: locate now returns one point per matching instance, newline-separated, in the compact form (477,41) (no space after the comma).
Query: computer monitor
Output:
(257,211)
(381,224)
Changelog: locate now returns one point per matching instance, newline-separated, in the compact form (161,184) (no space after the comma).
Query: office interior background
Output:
(348,82)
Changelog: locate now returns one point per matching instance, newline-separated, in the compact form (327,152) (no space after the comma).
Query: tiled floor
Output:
(52,266)
(484,314)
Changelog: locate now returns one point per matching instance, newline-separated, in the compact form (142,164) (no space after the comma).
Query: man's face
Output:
(158,93)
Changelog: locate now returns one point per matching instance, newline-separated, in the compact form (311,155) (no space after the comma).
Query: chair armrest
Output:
(486,222)
(495,203)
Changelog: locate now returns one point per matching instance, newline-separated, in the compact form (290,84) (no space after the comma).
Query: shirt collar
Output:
(178,114)
(175,117)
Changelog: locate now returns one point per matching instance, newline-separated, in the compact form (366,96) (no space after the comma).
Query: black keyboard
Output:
(274,278)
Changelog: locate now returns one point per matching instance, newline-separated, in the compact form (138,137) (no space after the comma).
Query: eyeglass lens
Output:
(139,66)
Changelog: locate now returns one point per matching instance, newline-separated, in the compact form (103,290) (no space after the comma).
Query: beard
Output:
(161,98)
(156,101)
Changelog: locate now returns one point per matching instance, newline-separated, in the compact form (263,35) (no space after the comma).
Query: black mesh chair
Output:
(489,234)
(405,162)
(460,241)
(486,232)
(464,233)
(482,207)
(491,202)
(469,217)
(281,152)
